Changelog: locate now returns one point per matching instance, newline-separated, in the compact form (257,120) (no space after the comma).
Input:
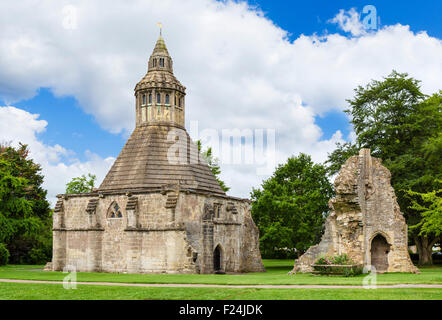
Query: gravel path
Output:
(190,285)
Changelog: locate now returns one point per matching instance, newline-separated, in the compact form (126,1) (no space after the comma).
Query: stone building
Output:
(365,221)
(159,209)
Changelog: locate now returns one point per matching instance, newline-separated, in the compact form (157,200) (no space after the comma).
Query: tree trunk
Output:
(425,249)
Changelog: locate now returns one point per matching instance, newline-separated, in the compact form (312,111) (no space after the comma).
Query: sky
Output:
(68,70)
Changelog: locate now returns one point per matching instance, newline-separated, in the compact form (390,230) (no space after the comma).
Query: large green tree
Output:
(291,206)
(402,126)
(25,216)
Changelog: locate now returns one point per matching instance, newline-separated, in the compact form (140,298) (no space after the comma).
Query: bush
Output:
(324,261)
(341,259)
(37,256)
(339,264)
(4,255)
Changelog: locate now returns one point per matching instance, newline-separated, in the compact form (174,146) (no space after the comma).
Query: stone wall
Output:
(153,232)
(365,206)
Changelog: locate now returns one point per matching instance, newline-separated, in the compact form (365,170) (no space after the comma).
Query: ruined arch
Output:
(379,248)
(218,258)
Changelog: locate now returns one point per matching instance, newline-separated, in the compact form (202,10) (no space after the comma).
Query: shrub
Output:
(4,255)
(353,271)
(37,256)
(339,264)
(324,261)
(342,259)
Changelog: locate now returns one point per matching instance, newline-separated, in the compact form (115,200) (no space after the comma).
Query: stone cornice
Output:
(147,191)
(78,229)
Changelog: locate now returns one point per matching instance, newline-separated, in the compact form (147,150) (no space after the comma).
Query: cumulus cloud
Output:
(349,21)
(240,69)
(59,165)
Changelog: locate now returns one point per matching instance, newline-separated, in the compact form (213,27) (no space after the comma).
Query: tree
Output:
(213,164)
(339,156)
(25,216)
(291,206)
(81,184)
(430,206)
(403,127)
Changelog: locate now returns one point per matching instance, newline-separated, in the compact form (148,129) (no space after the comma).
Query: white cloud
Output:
(240,69)
(349,21)
(59,165)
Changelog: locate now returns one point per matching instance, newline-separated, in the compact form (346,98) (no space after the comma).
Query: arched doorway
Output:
(217,256)
(379,253)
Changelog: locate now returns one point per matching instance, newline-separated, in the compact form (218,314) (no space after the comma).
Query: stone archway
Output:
(379,253)
(217,259)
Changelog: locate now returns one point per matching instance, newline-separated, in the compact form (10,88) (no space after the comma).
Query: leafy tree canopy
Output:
(429,205)
(403,127)
(291,206)
(25,216)
(338,157)
(81,184)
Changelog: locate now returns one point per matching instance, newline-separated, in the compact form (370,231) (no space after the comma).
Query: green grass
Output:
(276,274)
(19,291)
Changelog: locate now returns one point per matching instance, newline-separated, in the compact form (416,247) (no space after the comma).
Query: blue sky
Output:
(307,17)
(80,80)
(69,126)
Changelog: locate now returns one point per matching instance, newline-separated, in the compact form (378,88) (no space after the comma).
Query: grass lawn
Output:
(276,274)
(20,291)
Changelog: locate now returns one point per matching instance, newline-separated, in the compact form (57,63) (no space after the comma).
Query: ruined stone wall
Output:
(167,231)
(383,217)
(365,206)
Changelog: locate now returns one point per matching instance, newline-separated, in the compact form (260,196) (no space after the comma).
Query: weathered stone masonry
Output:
(159,209)
(365,221)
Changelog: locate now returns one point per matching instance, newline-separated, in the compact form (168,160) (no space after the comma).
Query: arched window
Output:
(154,62)
(179,102)
(158,98)
(175,100)
(114,211)
(161,62)
(150,98)
(144,100)
(167,99)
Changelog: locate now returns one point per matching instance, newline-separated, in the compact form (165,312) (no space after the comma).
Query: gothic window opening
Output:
(154,62)
(158,98)
(175,100)
(161,62)
(167,99)
(144,100)
(115,211)
(150,98)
